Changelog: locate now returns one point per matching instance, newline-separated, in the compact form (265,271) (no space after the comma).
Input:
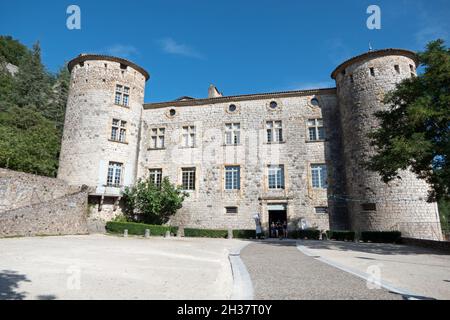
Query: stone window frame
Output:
(168,111)
(196,177)
(311,105)
(322,186)
(316,126)
(124,91)
(277,101)
(238,108)
(189,144)
(112,174)
(233,134)
(157,136)
(321,210)
(231,213)
(122,126)
(272,129)
(270,167)
(239,178)
(156,174)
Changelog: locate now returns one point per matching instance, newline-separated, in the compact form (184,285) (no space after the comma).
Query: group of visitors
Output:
(278,229)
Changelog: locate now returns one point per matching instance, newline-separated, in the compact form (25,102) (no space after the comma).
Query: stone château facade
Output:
(295,156)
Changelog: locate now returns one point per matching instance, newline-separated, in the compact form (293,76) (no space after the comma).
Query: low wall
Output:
(62,216)
(18,189)
(438,245)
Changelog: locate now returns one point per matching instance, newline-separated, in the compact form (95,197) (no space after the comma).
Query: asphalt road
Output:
(279,271)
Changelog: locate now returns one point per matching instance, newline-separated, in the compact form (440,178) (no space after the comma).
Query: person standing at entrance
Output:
(285,231)
(273,230)
(280,229)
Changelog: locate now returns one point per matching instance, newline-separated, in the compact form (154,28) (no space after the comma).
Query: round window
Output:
(315,102)
(273,105)
(172,112)
(232,108)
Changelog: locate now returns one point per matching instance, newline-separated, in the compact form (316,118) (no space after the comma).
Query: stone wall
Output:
(36,205)
(372,204)
(205,208)
(62,216)
(18,189)
(87,147)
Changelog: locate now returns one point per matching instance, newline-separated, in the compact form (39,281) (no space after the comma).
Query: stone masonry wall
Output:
(87,147)
(18,189)
(205,208)
(62,216)
(401,204)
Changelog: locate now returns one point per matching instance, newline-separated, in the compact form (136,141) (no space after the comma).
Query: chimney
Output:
(213,92)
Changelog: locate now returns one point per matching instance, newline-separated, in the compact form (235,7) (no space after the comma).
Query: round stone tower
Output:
(362,83)
(101,132)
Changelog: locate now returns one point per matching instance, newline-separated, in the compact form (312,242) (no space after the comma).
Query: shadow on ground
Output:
(9,285)
(373,248)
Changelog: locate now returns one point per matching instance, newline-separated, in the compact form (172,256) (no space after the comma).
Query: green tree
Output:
(29,142)
(12,51)
(32,82)
(414,130)
(56,107)
(153,204)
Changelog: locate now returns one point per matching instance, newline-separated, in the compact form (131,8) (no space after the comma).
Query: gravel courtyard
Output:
(109,267)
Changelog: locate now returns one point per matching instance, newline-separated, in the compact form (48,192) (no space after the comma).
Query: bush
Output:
(339,235)
(139,228)
(381,236)
(311,234)
(244,234)
(151,203)
(205,233)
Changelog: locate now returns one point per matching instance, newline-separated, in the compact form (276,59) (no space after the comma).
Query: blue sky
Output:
(240,46)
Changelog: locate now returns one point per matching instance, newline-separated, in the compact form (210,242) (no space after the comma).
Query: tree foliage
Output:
(153,204)
(32,109)
(29,142)
(414,131)
(12,50)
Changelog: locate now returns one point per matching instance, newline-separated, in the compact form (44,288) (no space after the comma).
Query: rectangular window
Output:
(189,136)
(319,176)
(232,133)
(274,131)
(316,130)
(114,178)
(156,177)
(157,138)
(118,98)
(231,210)
(372,72)
(397,68)
(276,177)
(122,97)
(188,178)
(232,178)
(321,210)
(369,206)
(118,130)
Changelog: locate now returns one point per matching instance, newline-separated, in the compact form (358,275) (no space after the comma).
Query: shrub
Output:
(311,234)
(340,235)
(139,228)
(381,236)
(153,204)
(205,233)
(244,234)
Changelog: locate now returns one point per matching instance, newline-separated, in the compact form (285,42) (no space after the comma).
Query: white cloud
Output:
(122,51)
(312,85)
(170,46)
